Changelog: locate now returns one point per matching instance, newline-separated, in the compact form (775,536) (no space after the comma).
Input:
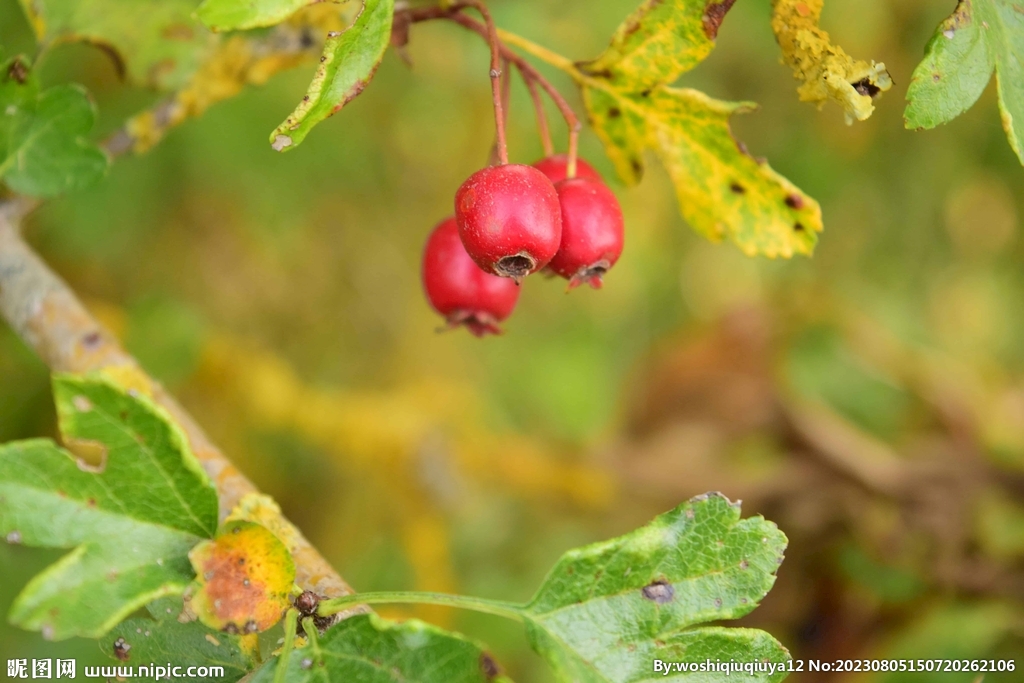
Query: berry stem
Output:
(491,34)
(571,120)
(506,91)
(542,117)
(509,610)
(494,36)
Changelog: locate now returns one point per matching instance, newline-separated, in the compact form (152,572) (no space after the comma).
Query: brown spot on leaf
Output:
(488,666)
(18,70)
(121,648)
(799,227)
(737,188)
(659,592)
(614,113)
(794,201)
(714,13)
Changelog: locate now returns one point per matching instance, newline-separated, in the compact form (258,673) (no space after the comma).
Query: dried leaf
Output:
(825,71)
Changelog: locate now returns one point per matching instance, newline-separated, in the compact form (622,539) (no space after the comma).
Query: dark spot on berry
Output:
(714,13)
(737,188)
(659,592)
(866,87)
(121,649)
(488,666)
(794,201)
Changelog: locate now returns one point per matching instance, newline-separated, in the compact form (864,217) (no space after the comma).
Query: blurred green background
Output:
(870,400)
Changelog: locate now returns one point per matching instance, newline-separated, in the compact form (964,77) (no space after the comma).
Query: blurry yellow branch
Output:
(238,61)
(48,316)
(825,71)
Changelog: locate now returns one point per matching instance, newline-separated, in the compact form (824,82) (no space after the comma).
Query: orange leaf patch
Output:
(243,579)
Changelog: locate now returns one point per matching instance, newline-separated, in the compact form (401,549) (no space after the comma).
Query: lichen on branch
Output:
(825,71)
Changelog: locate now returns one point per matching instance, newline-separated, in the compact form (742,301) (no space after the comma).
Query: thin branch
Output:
(542,118)
(47,315)
(491,34)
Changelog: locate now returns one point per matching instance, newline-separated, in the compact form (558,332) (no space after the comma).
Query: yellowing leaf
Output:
(243,578)
(659,42)
(825,71)
(723,191)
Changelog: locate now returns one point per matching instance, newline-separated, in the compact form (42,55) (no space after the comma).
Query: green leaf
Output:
(155,42)
(369,649)
(44,148)
(606,612)
(236,15)
(659,42)
(723,191)
(164,639)
(981,36)
(132,503)
(348,63)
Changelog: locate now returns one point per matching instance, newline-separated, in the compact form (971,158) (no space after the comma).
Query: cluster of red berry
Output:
(512,220)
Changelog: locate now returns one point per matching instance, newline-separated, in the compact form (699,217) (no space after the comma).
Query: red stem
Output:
(491,34)
(530,74)
(542,117)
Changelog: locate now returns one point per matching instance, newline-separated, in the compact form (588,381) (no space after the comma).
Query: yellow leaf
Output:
(825,71)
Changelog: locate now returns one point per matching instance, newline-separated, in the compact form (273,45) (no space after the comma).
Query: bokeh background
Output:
(870,400)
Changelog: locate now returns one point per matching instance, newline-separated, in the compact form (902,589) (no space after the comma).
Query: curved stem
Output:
(495,45)
(509,610)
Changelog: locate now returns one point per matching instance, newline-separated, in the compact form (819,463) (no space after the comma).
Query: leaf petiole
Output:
(509,610)
(291,619)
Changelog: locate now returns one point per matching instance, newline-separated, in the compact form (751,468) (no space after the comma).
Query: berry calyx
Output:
(459,290)
(592,231)
(509,219)
(554,167)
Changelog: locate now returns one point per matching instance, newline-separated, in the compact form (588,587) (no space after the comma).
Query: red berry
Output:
(591,231)
(509,219)
(554,168)
(458,289)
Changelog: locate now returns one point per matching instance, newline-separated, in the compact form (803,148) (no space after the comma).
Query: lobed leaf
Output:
(607,611)
(131,513)
(243,578)
(44,145)
(981,36)
(155,42)
(167,638)
(659,42)
(349,61)
(723,191)
(369,649)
